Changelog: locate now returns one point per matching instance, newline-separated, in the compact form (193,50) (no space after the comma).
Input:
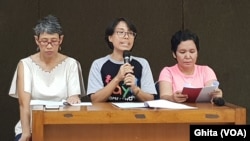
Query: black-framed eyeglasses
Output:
(122,34)
(52,43)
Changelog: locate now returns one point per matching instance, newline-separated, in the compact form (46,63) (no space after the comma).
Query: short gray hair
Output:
(49,24)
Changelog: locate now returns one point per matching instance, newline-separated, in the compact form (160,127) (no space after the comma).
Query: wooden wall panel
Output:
(17,18)
(224,41)
(85,22)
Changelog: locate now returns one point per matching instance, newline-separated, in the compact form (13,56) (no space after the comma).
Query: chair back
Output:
(157,96)
(83,91)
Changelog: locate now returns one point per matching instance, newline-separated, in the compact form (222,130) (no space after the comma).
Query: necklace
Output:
(187,76)
(187,80)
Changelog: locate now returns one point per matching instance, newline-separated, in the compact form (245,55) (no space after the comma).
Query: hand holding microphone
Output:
(127,67)
(129,78)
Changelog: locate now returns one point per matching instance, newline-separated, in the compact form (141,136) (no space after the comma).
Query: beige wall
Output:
(222,26)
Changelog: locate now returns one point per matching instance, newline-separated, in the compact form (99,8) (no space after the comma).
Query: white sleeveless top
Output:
(56,85)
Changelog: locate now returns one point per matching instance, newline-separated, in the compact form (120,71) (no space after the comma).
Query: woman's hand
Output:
(216,93)
(130,80)
(124,70)
(74,99)
(25,137)
(179,97)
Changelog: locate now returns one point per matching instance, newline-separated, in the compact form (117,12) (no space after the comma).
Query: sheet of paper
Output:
(153,104)
(60,103)
(82,104)
(204,95)
(161,103)
(45,102)
(199,94)
(129,104)
(52,107)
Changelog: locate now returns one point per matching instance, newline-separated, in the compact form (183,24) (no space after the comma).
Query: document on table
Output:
(59,103)
(129,104)
(153,104)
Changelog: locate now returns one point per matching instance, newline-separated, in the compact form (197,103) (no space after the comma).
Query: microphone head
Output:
(219,101)
(126,56)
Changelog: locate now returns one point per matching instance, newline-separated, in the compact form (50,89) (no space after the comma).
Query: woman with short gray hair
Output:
(46,75)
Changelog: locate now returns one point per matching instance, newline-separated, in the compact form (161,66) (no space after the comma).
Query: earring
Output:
(37,49)
(60,48)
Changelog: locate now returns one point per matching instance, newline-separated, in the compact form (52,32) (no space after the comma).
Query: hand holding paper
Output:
(179,97)
(200,94)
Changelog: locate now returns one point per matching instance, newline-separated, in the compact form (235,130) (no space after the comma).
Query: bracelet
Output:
(137,91)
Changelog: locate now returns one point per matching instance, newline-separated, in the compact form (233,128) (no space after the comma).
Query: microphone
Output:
(126,56)
(219,101)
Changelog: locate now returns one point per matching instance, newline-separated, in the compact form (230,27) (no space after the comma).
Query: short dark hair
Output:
(184,35)
(111,27)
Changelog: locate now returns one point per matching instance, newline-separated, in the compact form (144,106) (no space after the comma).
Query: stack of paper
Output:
(59,103)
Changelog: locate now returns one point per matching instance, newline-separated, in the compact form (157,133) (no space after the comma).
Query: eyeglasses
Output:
(52,43)
(122,34)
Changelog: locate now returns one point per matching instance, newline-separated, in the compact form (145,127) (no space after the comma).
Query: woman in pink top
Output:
(185,48)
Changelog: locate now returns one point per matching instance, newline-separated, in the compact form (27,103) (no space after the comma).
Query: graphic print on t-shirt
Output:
(121,93)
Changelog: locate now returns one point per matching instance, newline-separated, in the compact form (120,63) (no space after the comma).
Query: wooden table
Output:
(105,122)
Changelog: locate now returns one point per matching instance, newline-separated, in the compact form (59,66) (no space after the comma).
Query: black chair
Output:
(157,96)
(84,97)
